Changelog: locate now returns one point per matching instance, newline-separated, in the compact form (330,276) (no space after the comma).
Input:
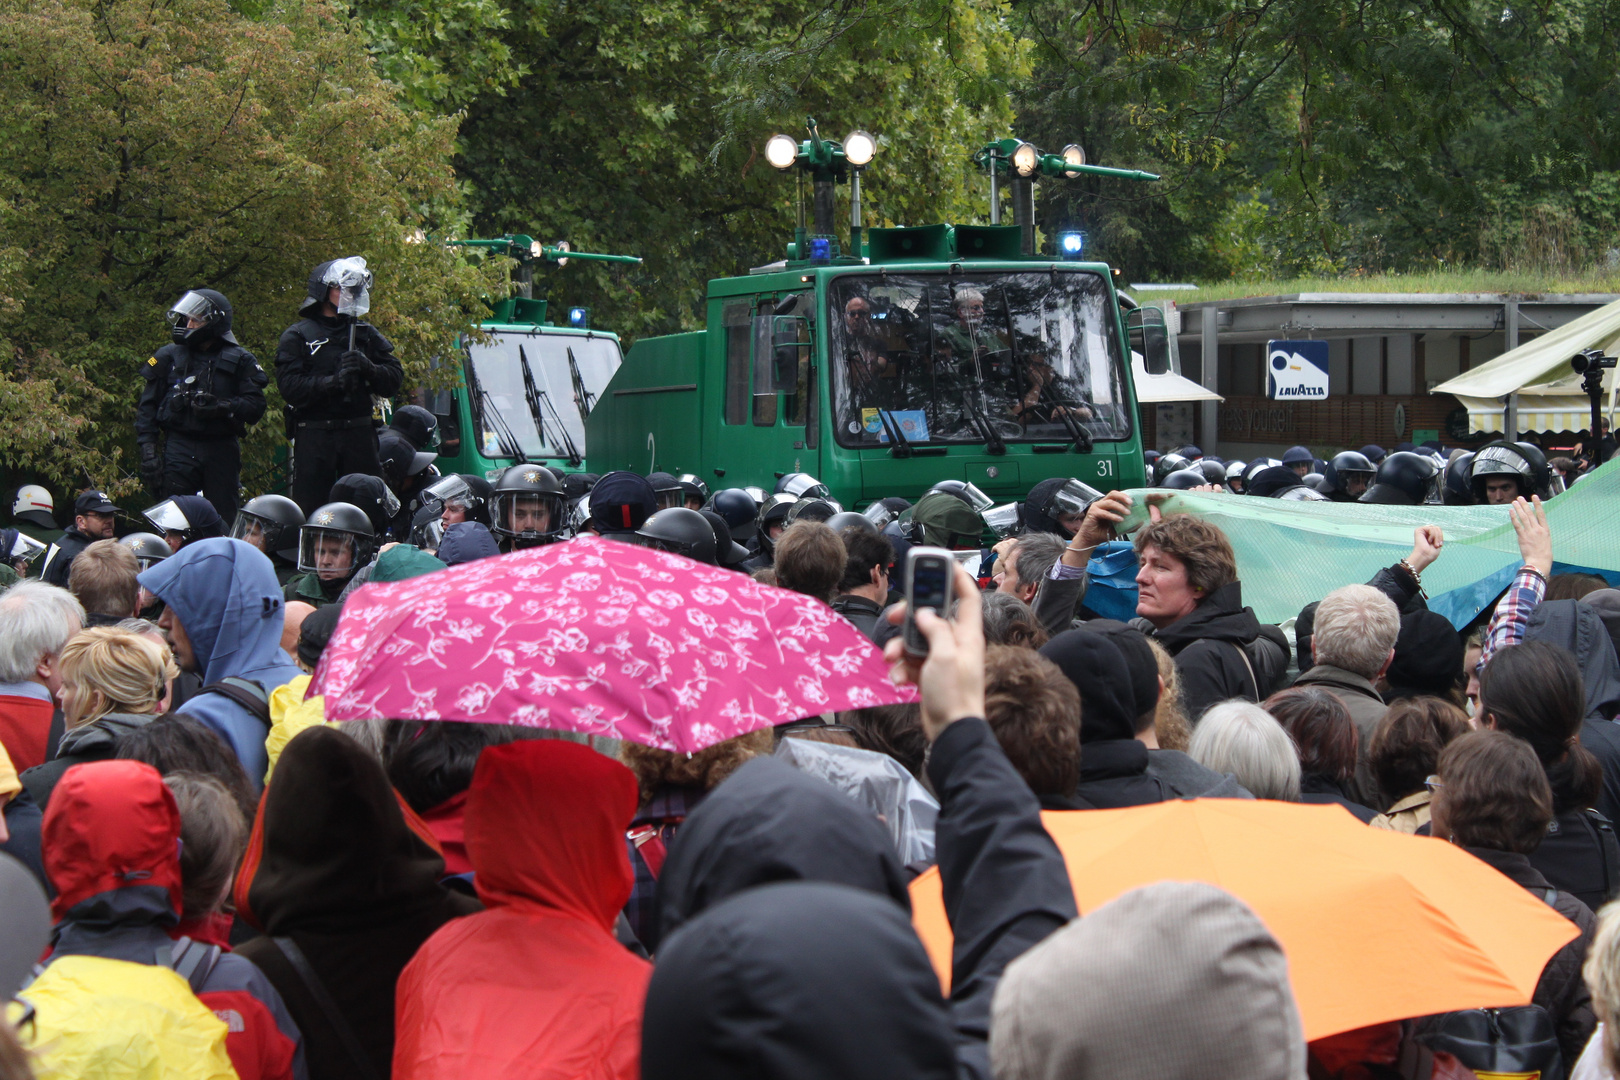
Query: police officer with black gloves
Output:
(202,392)
(329,384)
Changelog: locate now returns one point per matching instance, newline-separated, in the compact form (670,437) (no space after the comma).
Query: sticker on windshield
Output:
(913,424)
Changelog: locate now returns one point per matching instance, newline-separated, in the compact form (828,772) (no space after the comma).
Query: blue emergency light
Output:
(579,318)
(820,249)
(1071,245)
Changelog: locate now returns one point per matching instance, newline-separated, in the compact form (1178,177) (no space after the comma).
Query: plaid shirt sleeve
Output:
(1513,613)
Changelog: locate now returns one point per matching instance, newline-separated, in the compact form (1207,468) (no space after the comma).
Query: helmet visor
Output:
(1003,519)
(976,498)
(805,486)
(527,515)
(193,305)
(255,530)
(669,497)
(879,515)
(26,548)
(1072,498)
(328,553)
(428,535)
(1501,460)
(450,491)
(167,517)
(353,280)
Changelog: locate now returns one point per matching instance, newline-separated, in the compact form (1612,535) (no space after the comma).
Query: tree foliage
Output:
(639,127)
(1302,136)
(153,147)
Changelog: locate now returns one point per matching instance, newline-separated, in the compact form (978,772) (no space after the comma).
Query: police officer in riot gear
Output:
(271,523)
(329,385)
(1503,471)
(683,532)
(202,392)
(335,542)
(527,508)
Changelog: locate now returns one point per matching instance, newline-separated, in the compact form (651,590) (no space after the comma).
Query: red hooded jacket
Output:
(537,985)
(111,841)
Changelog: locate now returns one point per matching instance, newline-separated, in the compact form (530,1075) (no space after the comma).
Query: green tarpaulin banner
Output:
(1292,553)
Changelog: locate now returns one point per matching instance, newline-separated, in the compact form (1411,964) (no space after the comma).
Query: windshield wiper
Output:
(582,397)
(488,414)
(537,400)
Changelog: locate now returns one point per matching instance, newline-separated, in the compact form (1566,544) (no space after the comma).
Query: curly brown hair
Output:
(706,768)
(1195,543)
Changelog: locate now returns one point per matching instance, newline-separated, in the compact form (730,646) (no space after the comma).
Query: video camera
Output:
(1590,361)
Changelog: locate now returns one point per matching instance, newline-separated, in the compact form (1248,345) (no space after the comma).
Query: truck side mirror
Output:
(1149,336)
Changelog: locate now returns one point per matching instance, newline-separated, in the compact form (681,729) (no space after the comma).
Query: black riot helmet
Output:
(682,532)
(149,548)
(1214,472)
(739,509)
(207,306)
(1405,479)
(371,496)
(729,553)
(1166,465)
(348,274)
(694,489)
(337,540)
(1523,462)
(667,490)
(317,289)
(1272,481)
(1185,479)
(465,492)
(527,506)
(774,512)
(1459,491)
(270,523)
(418,425)
(813,510)
(849,519)
(1255,468)
(1348,470)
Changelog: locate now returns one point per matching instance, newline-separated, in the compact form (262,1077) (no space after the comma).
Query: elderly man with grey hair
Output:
(1352,645)
(1025,562)
(36,620)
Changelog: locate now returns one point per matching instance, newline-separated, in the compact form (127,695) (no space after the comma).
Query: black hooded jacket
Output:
(218,365)
(797,981)
(1210,645)
(358,900)
(1579,628)
(1005,889)
(308,355)
(1113,765)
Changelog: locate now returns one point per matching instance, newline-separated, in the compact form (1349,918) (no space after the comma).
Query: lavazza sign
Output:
(1297,370)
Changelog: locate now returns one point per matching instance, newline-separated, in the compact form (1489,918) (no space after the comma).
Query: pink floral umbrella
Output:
(600,638)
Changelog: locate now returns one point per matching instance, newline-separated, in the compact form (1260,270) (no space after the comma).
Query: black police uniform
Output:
(331,422)
(202,398)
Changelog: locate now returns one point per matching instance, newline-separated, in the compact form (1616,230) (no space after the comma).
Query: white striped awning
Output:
(1537,412)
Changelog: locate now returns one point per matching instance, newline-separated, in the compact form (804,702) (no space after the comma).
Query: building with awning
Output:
(1533,388)
(1391,358)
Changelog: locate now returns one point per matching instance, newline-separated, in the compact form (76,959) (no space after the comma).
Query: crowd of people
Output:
(204,877)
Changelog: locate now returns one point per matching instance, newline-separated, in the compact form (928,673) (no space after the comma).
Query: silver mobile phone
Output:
(930,572)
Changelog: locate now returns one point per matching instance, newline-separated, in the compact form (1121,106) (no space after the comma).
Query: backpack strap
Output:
(1254,680)
(649,844)
(323,1000)
(190,960)
(245,692)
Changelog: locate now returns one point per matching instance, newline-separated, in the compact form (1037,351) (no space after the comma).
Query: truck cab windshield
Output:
(954,357)
(568,384)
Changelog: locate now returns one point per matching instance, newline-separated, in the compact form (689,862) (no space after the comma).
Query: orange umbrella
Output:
(1377,925)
